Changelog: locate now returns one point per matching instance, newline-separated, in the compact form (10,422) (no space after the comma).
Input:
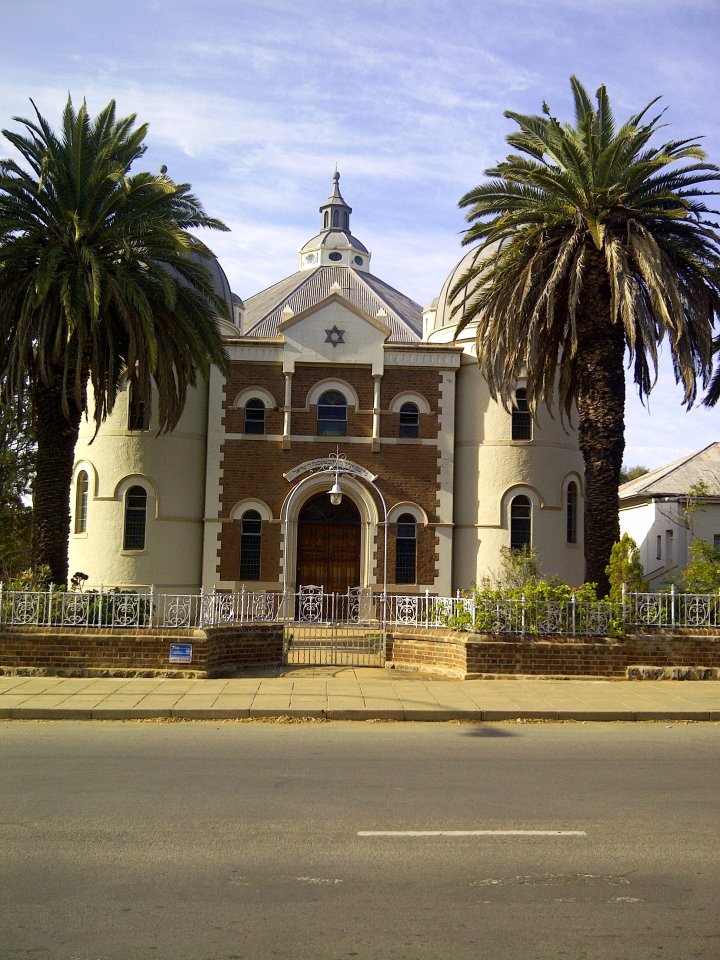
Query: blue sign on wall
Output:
(180,653)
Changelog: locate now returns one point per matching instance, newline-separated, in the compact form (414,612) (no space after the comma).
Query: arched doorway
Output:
(328,544)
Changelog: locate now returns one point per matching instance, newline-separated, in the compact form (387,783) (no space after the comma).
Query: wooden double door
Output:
(328,544)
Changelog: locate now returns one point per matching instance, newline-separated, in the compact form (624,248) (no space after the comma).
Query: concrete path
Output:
(348,693)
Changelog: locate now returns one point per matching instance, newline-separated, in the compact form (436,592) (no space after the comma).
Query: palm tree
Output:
(592,243)
(99,280)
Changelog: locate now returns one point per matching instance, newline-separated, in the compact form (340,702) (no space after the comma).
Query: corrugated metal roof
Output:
(302,290)
(678,477)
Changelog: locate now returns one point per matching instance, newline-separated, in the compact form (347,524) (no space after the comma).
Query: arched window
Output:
(346,220)
(255,416)
(520,523)
(138,410)
(521,416)
(81,502)
(332,414)
(409,421)
(325,220)
(250,538)
(571,516)
(135,517)
(335,218)
(406,549)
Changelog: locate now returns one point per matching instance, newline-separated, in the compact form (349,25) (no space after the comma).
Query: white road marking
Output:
(471,833)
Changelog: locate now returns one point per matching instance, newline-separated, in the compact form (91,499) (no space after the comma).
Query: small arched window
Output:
(346,221)
(255,416)
(135,518)
(571,515)
(520,523)
(332,414)
(250,542)
(409,421)
(521,416)
(81,502)
(335,219)
(325,220)
(406,549)
(138,410)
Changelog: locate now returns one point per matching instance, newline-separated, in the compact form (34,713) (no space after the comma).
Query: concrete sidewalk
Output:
(344,693)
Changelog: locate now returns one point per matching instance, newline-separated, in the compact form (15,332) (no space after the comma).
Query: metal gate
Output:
(334,629)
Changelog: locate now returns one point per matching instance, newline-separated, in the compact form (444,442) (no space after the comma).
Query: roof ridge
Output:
(397,316)
(659,474)
(306,275)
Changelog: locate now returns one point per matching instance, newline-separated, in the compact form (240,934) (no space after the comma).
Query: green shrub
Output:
(625,569)
(702,574)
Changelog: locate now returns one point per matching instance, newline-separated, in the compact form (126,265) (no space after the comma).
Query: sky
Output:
(254,102)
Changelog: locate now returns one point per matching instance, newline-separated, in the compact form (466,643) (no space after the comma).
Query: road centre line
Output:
(471,833)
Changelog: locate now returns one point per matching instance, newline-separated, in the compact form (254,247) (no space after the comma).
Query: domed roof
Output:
(218,280)
(334,240)
(450,308)
(333,262)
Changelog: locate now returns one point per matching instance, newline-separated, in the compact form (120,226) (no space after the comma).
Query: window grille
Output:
(81,502)
(250,542)
(409,421)
(138,411)
(572,501)
(332,414)
(521,416)
(255,416)
(135,517)
(520,523)
(406,549)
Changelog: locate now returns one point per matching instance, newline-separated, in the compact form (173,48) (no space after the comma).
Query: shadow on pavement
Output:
(480,730)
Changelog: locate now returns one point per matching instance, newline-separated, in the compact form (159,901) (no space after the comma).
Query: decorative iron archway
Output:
(350,479)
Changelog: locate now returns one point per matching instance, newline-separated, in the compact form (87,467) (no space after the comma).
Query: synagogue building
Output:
(337,382)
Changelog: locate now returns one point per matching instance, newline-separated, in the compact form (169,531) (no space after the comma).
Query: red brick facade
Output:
(253,466)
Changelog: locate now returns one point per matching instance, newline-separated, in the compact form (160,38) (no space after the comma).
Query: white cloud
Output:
(254,101)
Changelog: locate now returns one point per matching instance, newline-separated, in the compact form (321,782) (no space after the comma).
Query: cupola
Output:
(335,246)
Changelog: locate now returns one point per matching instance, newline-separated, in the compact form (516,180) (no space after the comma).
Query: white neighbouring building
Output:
(652,512)
(439,477)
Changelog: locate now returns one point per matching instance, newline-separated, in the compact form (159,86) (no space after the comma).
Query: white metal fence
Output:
(524,615)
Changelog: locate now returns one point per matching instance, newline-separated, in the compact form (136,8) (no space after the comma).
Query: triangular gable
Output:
(333,330)
(334,297)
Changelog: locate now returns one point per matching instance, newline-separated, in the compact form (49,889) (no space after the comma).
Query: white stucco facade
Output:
(653,511)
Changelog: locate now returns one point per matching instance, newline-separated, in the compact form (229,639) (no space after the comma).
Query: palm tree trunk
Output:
(56,439)
(601,410)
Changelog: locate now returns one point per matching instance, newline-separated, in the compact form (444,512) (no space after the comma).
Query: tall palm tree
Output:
(593,242)
(99,280)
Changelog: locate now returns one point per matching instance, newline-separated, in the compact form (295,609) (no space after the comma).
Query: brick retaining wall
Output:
(220,651)
(216,651)
(467,654)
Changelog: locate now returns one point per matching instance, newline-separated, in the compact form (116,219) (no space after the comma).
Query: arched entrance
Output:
(328,544)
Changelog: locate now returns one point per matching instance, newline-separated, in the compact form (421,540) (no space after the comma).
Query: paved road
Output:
(244,840)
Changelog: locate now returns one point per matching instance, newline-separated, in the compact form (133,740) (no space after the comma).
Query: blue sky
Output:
(255,101)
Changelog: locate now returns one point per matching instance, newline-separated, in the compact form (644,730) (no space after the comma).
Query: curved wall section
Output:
(490,468)
(171,468)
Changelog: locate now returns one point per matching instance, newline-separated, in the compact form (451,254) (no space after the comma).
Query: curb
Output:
(410,715)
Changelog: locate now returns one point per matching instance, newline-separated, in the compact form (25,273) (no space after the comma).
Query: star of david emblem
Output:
(334,336)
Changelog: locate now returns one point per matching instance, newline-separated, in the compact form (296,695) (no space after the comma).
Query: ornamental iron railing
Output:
(524,615)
